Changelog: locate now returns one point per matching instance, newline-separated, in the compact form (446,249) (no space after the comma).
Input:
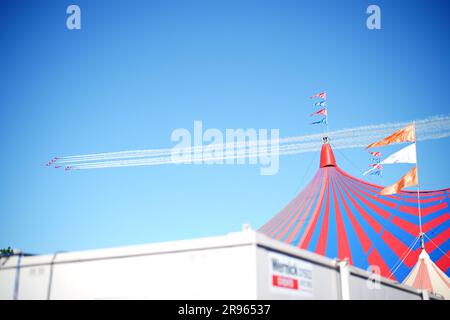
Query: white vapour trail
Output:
(433,124)
(283,150)
(431,128)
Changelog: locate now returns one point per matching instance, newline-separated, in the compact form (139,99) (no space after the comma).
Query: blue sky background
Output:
(137,70)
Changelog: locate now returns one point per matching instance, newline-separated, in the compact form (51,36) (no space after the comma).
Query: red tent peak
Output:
(327,156)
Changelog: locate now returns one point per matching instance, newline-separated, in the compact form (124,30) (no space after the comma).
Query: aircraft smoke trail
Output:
(436,127)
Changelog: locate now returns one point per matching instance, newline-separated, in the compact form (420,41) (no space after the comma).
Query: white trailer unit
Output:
(242,265)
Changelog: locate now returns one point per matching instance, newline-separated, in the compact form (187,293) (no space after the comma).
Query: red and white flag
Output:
(321,95)
(321,111)
(375,166)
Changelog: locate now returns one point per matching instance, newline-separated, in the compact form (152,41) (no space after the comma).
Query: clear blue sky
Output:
(137,70)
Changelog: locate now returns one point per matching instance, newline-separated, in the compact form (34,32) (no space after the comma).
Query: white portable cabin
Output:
(241,265)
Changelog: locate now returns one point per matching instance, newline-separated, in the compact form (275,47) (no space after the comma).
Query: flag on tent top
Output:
(321,95)
(375,153)
(408,180)
(406,134)
(405,155)
(320,104)
(323,120)
(321,111)
(376,169)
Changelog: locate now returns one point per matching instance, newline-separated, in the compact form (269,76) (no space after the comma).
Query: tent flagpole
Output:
(326,117)
(326,120)
(422,242)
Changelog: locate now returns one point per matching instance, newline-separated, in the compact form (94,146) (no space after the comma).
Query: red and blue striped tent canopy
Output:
(340,216)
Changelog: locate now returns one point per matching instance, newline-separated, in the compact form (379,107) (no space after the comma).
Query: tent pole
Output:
(326,118)
(422,243)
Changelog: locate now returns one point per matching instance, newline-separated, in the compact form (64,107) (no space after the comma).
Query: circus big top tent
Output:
(343,217)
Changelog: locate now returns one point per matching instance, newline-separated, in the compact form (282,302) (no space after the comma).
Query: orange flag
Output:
(406,134)
(408,180)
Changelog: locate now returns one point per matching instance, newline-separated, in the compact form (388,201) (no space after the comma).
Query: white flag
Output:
(405,155)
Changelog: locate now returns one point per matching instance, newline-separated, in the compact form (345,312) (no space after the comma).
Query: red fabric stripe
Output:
(406,226)
(322,241)
(444,262)
(374,224)
(375,208)
(403,193)
(282,217)
(424,211)
(376,260)
(291,218)
(298,200)
(434,223)
(366,184)
(438,240)
(399,248)
(425,200)
(422,280)
(300,213)
(363,239)
(303,219)
(343,245)
(380,200)
(304,242)
(371,194)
